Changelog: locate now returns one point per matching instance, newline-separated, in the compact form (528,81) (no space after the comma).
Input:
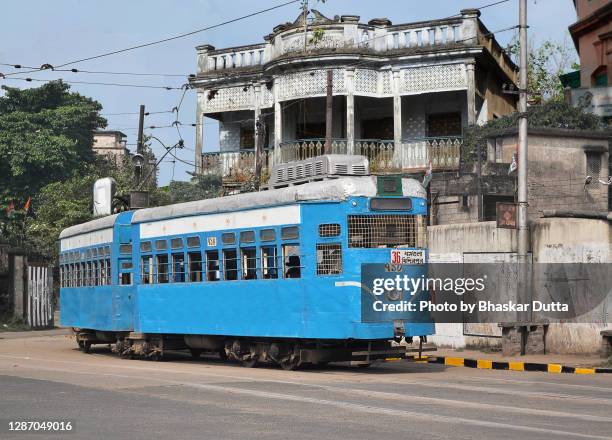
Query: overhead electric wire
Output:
(144,86)
(176,37)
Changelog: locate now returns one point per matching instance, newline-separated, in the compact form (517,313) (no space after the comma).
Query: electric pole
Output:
(260,131)
(139,143)
(523,232)
(305,11)
(328,111)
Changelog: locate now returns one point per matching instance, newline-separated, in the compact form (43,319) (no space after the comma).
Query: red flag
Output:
(26,207)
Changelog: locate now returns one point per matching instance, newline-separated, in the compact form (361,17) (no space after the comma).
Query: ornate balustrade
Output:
(306,148)
(235,166)
(412,155)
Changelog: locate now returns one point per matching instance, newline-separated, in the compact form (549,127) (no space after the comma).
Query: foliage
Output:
(200,187)
(551,114)
(45,134)
(546,63)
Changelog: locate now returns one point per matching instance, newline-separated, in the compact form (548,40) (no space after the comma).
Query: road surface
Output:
(46,378)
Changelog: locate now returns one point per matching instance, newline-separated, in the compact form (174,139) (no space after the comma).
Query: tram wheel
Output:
(249,363)
(222,354)
(86,346)
(289,364)
(81,345)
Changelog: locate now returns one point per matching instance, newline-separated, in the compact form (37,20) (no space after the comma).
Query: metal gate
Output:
(39,308)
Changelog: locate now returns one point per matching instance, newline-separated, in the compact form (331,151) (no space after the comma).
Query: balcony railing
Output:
(235,166)
(412,155)
(306,148)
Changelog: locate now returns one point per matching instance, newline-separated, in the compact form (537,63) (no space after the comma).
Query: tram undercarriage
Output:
(289,354)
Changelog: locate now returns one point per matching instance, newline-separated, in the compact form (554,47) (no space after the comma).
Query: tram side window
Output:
(329,259)
(291,261)
(213,272)
(178,267)
(146,269)
(95,279)
(249,263)
(82,277)
(108,271)
(194,262)
(230,264)
(162,268)
(269,262)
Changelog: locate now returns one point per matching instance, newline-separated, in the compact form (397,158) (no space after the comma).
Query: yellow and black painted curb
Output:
(487,364)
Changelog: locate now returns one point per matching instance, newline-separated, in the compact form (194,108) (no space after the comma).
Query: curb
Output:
(487,364)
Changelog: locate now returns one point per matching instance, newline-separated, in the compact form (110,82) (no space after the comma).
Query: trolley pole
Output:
(329,111)
(523,232)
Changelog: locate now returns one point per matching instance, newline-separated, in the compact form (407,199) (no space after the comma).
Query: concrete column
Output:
(257,114)
(18,284)
(349,82)
(471,93)
(397,118)
(278,125)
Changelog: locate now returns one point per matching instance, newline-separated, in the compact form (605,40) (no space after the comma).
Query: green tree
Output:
(45,134)
(546,62)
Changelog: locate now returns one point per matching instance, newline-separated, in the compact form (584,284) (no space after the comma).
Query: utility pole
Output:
(305,10)
(523,232)
(139,144)
(329,111)
(260,131)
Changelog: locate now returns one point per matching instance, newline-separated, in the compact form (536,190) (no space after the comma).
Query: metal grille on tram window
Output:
(161,245)
(385,231)
(125,249)
(228,238)
(247,236)
(267,235)
(329,230)
(176,243)
(145,246)
(193,242)
(329,259)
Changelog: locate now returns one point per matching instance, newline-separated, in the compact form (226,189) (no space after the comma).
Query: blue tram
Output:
(268,276)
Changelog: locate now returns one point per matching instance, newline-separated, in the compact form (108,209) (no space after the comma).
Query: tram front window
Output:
(291,261)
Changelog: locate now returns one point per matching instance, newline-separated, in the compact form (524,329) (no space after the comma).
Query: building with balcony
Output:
(590,86)
(402,93)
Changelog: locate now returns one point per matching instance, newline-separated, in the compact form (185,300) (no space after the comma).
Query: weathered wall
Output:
(574,240)
(553,240)
(469,243)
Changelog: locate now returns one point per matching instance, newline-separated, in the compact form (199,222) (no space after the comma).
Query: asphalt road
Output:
(46,378)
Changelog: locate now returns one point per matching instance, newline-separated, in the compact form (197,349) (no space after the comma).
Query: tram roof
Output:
(93,225)
(335,190)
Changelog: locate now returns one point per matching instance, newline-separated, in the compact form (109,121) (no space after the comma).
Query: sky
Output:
(36,32)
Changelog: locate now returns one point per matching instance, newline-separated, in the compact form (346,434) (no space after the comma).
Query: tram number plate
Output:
(404,256)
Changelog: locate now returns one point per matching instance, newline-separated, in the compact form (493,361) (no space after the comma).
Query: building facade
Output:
(589,87)
(110,143)
(402,94)
(568,171)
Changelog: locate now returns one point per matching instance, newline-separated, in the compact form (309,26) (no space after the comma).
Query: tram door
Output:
(123,292)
